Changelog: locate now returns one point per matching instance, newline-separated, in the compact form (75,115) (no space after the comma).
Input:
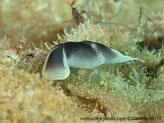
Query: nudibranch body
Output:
(85,54)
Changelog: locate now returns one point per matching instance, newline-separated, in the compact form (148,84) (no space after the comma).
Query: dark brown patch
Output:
(30,55)
(77,16)
(73,2)
(161,39)
(66,90)
(151,72)
(161,64)
(91,104)
(152,44)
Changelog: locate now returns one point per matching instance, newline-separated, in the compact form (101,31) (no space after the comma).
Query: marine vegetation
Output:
(127,91)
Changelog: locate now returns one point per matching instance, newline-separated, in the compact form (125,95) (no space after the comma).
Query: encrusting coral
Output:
(132,89)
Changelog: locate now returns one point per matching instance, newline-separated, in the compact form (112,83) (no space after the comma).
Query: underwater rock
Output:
(85,54)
